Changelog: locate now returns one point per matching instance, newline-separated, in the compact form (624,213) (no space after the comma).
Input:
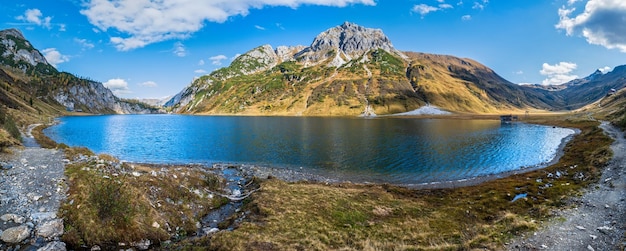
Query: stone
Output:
(15,234)
(141,245)
(53,246)
(50,229)
(156,225)
(581,228)
(13,217)
(590,248)
(5,166)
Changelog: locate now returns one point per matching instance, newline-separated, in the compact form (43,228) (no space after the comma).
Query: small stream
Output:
(235,186)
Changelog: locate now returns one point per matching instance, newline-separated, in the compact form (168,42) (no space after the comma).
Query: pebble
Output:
(590,248)
(581,228)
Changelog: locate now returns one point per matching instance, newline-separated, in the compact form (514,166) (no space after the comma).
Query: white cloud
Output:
(150,84)
(466,18)
(62,27)
(179,49)
(199,71)
(34,16)
(258,27)
(559,73)
(118,86)
(480,5)
(570,2)
(601,23)
(217,60)
(280,26)
(54,57)
(201,62)
(605,69)
(143,22)
(520,72)
(84,43)
(424,9)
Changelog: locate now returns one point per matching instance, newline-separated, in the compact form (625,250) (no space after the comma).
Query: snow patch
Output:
(424,110)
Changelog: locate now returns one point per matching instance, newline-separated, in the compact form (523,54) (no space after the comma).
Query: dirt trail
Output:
(597,219)
(32,186)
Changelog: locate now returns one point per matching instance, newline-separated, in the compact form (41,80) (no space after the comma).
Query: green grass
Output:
(373,217)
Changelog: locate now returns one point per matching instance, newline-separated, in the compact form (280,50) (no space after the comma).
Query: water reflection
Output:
(399,150)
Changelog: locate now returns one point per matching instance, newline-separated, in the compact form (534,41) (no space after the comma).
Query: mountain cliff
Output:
(25,74)
(352,70)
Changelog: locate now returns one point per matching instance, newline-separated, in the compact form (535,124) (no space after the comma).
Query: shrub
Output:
(112,201)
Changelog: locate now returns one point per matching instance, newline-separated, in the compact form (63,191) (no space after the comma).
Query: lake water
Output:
(395,150)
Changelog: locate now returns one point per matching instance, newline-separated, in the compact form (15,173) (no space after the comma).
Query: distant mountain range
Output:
(347,70)
(352,70)
(30,84)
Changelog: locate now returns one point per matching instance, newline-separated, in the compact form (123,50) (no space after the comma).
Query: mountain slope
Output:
(581,92)
(27,74)
(352,70)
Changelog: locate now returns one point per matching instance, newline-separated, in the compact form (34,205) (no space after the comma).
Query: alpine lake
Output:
(398,150)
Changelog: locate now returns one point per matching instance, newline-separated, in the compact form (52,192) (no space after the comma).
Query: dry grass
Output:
(110,203)
(303,216)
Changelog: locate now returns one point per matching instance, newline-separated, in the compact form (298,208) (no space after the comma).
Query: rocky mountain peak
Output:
(17,52)
(258,59)
(344,43)
(12,32)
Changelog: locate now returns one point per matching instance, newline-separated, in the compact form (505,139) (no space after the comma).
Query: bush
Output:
(112,202)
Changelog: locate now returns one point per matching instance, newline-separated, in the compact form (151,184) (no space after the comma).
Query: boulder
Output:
(13,217)
(50,229)
(15,234)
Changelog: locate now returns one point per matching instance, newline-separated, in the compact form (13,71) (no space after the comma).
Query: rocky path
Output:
(597,219)
(32,186)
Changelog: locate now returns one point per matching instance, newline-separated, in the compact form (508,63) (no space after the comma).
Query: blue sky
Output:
(154,48)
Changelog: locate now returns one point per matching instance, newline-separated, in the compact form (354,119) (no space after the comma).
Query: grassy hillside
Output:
(384,81)
(465,85)
(610,107)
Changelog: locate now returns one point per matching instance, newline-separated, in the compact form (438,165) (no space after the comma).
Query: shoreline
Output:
(293,175)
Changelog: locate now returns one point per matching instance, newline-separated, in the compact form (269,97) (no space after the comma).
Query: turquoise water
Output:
(395,150)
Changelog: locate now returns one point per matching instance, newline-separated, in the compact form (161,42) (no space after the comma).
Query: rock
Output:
(156,225)
(208,230)
(15,234)
(53,246)
(50,229)
(136,174)
(141,245)
(5,166)
(96,248)
(13,217)
(581,228)
(593,237)
(590,248)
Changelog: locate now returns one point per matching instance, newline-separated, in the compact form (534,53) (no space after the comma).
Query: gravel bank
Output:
(32,186)
(594,221)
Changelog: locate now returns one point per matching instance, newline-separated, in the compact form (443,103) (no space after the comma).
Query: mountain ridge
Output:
(32,85)
(350,69)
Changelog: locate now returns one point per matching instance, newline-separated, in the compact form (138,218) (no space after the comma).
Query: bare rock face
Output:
(344,43)
(258,59)
(19,53)
(287,53)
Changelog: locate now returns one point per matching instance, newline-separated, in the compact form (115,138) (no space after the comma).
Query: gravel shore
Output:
(594,221)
